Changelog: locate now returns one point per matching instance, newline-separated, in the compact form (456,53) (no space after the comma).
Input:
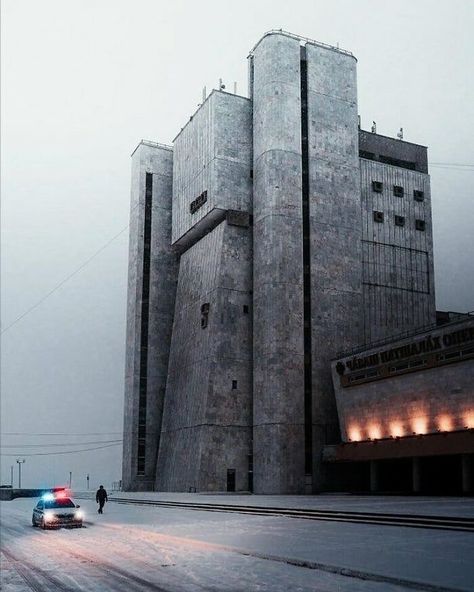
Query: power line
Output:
(59,444)
(61,433)
(458,164)
(63,452)
(66,279)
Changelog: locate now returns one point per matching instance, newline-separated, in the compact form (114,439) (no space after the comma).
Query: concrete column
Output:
(374,476)
(278,406)
(466,473)
(149,310)
(334,228)
(416,474)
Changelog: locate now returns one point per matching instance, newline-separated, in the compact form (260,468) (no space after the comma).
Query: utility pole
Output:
(70,479)
(11,476)
(20,461)
(87,481)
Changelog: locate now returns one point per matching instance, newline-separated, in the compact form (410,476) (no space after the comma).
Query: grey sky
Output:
(83,82)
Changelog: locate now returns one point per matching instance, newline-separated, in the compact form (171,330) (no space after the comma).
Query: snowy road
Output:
(139,548)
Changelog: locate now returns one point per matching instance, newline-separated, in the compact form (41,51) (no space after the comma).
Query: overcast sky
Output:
(82,83)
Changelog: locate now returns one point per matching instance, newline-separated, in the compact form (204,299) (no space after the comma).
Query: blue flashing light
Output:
(48,497)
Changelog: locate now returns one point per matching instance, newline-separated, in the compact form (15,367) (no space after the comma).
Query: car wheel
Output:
(33,522)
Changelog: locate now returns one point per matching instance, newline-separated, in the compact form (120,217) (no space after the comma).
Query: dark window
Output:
(378,216)
(204,315)
(398,191)
(145,305)
(406,164)
(246,309)
(419,195)
(234,385)
(251,173)
(230,479)
(377,186)
(420,224)
(399,220)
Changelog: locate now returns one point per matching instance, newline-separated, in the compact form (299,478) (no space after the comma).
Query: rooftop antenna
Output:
(373,129)
(235,88)
(221,85)
(204,94)
(400,134)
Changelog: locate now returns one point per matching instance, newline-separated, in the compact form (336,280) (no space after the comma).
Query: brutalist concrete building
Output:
(272,236)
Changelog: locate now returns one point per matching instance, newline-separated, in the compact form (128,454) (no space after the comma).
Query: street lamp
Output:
(20,461)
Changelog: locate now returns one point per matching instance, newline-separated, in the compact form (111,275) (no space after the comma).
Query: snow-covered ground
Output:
(136,548)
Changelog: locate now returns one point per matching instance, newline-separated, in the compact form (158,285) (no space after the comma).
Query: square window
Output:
(246,309)
(377,186)
(420,224)
(399,220)
(378,216)
(234,385)
(419,195)
(398,191)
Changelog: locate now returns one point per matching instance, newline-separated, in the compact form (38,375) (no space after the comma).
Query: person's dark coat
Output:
(101,496)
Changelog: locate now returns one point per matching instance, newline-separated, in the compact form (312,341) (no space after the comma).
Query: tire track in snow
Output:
(33,575)
(332,569)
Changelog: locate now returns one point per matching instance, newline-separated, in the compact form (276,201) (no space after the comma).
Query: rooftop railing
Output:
(301,39)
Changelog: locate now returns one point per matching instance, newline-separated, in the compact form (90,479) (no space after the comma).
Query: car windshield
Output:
(64,502)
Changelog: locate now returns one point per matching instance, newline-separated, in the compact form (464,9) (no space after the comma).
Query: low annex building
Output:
(272,235)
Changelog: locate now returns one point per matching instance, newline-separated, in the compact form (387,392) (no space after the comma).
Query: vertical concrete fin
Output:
(278,408)
(334,228)
(151,292)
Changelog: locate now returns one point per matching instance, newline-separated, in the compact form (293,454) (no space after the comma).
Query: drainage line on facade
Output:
(306,267)
(145,309)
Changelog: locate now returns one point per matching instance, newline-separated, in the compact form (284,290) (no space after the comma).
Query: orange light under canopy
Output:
(420,425)
(375,432)
(396,429)
(355,434)
(445,423)
(469,419)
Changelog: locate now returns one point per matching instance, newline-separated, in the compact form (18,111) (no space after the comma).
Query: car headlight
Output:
(49,516)
(79,515)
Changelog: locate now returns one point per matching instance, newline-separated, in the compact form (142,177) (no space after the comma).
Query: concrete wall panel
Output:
(213,153)
(335,249)
(398,273)
(207,419)
(278,268)
(158,160)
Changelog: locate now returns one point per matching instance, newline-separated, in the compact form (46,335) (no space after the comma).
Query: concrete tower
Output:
(272,236)
(307,269)
(206,432)
(152,277)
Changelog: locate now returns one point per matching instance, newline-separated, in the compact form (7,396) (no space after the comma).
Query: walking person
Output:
(101,498)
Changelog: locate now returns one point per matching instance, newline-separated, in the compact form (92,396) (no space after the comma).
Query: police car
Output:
(56,509)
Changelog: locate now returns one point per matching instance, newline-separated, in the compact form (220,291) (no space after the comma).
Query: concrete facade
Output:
(397,256)
(291,235)
(278,398)
(149,319)
(207,422)
(212,166)
(418,385)
(335,234)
